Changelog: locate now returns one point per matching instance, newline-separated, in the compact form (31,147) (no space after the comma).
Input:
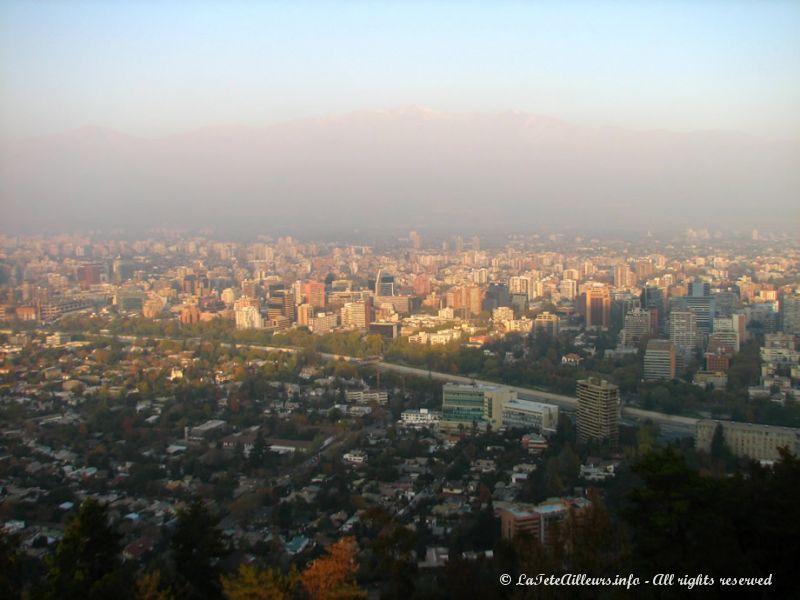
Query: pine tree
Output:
(197,546)
(87,562)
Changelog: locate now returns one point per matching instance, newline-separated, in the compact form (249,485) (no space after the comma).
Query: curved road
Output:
(672,424)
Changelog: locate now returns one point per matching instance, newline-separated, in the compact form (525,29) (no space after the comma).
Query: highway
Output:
(672,425)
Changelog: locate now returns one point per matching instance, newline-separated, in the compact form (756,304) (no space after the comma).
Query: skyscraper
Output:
(597,306)
(637,326)
(790,313)
(701,302)
(598,410)
(384,284)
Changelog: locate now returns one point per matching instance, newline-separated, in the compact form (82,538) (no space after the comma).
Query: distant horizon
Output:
(397,109)
(153,69)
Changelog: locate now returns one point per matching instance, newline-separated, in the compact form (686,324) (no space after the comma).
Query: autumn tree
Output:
(150,586)
(332,577)
(251,583)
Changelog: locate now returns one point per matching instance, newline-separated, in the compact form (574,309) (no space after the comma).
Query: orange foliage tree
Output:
(332,577)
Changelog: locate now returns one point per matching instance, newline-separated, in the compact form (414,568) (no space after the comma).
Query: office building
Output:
(637,326)
(315,294)
(683,332)
(790,314)
(466,406)
(597,306)
(530,416)
(759,442)
(546,322)
(598,410)
(702,304)
(248,317)
(660,360)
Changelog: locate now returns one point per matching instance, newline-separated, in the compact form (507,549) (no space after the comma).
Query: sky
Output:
(152,68)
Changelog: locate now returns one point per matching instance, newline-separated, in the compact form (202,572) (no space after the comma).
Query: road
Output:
(672,425)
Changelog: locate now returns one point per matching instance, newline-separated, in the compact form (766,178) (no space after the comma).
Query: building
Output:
(790,314)
(759,442)
(597,306)
(546,322)
(683,333)
(531,416)
(420,418)
(248,317)
(315,294)
(540,521)
(598,410)
(637,325)
(189,314)
(702,303)
(726,334)
(323,323)
(660,360)
(357,314)
(652,299)
(384,284)
(465,406)
(305,312)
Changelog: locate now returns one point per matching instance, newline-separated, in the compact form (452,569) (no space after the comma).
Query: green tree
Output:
(197,546)
(87,562)
(10,580)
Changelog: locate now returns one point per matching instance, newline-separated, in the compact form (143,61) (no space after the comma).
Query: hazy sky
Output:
(154,68)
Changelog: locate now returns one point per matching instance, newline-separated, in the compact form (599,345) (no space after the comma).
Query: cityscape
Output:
(418,353)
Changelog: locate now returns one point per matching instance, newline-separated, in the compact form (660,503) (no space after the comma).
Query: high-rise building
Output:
(598,410)
(652,299)
(683,332)
(248,317)
(660,360)
(415,239)
(701,302)
(546,322)
(597,306)
(315,294)
(384,284)
(790,313)
(357,314)
(305,312)
(636,327)
(623,277)
(568,288)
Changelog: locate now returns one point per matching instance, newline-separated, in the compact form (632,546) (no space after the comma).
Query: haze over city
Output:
(321,118)
(420,300)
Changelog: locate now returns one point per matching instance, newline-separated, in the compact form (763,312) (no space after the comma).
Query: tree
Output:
(251,583)
(332,577)
(87,561)
(10,584)
(149,587)
(197,545)
(258,451)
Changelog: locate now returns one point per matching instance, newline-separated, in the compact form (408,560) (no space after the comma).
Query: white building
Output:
(420,418)
(533,416)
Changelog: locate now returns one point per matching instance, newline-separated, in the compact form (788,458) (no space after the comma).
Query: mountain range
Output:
(400,169)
